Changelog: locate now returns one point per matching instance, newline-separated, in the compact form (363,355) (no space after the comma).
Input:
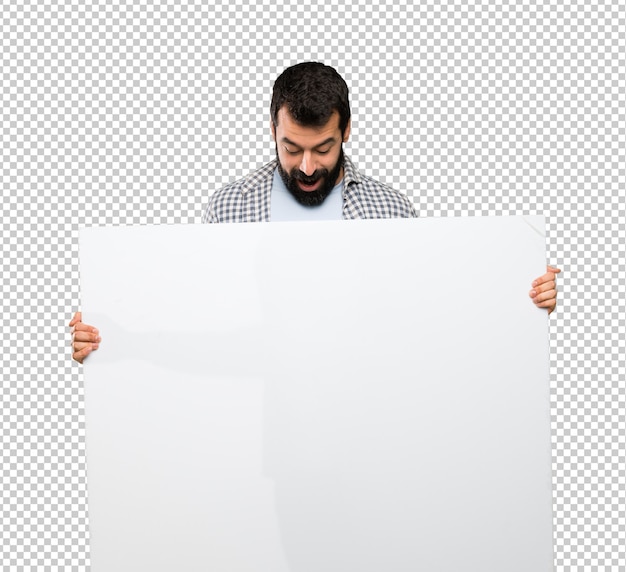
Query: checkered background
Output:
(124,112)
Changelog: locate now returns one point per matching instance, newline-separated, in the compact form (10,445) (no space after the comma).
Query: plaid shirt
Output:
(248,199)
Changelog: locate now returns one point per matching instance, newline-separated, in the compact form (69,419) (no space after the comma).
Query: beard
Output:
(317,196)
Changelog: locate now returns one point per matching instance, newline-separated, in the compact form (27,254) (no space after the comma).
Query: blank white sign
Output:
(333,396)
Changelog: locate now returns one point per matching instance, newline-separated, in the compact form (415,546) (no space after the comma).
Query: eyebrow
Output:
(325,142)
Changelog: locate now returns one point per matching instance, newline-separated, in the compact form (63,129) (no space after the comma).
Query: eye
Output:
(323,152)
(290,152)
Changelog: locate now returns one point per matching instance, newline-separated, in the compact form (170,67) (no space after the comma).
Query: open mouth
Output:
(311,187)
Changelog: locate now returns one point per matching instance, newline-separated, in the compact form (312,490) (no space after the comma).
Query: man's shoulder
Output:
(251,181)
(370,198)
(243,200)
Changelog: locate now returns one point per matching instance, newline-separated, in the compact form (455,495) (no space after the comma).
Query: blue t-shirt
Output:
(285,208)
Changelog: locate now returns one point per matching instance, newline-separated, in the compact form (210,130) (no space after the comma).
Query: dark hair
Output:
(311,91)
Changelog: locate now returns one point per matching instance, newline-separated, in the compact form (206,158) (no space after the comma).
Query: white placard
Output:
(330,396)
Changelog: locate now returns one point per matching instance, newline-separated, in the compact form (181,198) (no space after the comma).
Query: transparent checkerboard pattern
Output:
(120,113)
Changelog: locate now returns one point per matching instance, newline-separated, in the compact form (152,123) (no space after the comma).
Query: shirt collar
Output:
(350,173)
(260,177)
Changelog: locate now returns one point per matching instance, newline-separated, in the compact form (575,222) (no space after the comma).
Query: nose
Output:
(307,165)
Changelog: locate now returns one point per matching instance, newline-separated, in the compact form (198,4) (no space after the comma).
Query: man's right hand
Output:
(85,338)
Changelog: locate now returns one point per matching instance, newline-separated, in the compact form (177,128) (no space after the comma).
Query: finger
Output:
(87,336)
(549,304)
(551,285)
(82,350)
(82,327)
(78,346)
(550,295)
(547,277)
(80,355)
(78,317)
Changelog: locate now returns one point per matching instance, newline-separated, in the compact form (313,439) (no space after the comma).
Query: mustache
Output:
(309,179)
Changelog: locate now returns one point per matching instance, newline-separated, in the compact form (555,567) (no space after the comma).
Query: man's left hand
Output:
(543,292)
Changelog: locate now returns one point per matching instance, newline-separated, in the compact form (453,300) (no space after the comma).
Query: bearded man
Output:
(311,177)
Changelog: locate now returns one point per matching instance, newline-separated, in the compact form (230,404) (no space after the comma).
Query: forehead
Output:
(301,134)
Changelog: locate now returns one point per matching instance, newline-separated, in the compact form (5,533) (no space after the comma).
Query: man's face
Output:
(310,159)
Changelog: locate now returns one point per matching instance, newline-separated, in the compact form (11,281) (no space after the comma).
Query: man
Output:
(310,179)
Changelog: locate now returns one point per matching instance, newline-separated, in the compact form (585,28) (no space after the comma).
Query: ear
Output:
(273,129)
(347,130)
